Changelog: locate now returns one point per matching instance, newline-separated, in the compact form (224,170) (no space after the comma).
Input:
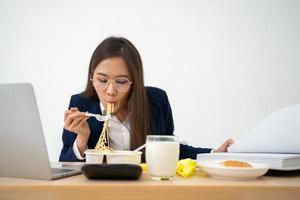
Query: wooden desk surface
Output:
(196,187)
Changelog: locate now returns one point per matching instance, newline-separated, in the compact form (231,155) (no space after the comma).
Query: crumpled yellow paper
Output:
(186,167)
(144,167)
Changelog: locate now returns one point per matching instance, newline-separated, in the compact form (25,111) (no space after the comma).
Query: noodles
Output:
(103,142)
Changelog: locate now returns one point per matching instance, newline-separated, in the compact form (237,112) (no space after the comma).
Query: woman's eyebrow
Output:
(102,74)
(121,75)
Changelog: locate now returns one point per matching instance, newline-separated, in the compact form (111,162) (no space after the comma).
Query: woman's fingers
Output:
(81,125)
(229,142)
(72,118)
(74,109)
(224,146)
(76,123)
(82,121)
(68,112)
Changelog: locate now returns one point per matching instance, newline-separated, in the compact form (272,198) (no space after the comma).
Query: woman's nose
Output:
(111,90)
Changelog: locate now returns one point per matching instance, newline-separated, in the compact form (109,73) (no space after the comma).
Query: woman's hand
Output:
(75,121)
(224,146)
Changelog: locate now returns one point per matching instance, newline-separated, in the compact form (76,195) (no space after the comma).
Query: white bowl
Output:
(124,157)
(115,157)
(93,157)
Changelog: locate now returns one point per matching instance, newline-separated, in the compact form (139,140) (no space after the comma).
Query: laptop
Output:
(23,152)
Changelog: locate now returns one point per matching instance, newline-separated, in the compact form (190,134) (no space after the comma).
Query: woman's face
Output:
(112,73)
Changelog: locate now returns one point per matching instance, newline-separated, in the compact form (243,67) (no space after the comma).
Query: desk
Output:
(196,187)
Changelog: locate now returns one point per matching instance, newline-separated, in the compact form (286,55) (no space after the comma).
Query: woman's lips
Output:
(110,100)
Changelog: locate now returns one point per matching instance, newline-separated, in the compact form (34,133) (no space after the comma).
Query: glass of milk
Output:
(162,154)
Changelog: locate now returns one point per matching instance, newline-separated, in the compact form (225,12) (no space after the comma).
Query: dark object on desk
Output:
(290,173)
(112,171)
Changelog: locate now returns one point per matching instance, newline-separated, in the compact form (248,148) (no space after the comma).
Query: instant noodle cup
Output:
(124,157)
(93,156)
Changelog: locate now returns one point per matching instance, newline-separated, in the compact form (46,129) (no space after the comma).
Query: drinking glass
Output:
(162,154)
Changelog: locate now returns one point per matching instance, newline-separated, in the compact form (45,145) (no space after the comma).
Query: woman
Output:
(116,76)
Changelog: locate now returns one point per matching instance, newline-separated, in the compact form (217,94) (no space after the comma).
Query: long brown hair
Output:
(138,101)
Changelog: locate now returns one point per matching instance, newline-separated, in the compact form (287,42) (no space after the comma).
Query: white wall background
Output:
(226,65)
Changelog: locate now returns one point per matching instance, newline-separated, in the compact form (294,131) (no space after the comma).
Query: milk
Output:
(161,158)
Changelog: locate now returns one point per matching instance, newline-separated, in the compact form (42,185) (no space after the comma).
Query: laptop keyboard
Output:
(60,170)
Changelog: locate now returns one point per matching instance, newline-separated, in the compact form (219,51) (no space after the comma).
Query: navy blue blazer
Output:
(161,122)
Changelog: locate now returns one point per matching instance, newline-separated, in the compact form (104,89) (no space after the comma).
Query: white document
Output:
(279,133)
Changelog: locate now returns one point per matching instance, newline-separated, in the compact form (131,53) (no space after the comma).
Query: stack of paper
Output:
(275,141)
(278,133)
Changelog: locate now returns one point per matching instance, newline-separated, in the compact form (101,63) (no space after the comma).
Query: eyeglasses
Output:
(121,84)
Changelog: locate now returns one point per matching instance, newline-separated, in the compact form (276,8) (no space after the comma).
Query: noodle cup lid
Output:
(124,153)
(119,153)
(93,152)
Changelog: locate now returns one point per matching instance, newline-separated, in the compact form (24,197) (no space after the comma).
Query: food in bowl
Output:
(236,163)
